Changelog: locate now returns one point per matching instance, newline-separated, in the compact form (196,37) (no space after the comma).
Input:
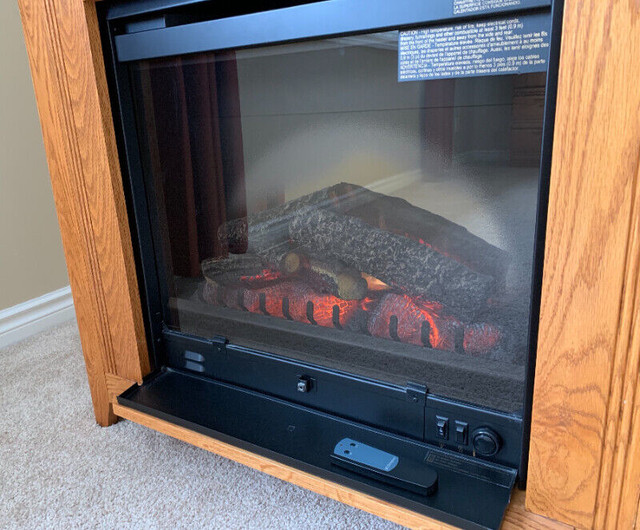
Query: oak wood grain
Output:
(125,319)
(116,385)
(87,188)
(515,518)
(583,354)
(619,488)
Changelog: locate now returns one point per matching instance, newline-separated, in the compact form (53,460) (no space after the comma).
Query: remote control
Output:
(385,467)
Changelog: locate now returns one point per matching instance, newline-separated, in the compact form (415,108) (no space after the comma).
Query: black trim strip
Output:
(321,19)
(541,229)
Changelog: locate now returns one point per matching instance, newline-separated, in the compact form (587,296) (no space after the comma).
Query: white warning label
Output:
(494,47)
(461,7)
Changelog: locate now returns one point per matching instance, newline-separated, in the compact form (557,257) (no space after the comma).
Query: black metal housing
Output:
(313,20)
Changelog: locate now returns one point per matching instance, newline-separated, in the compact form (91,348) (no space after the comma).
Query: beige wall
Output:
(31,258)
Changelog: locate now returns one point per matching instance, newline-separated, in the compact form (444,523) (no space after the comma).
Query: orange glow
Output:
(373,284)
(480,338)
(323,310)
(411,313)
(299,294)
(267,275)
(418,239)
(389,315)
(368,304)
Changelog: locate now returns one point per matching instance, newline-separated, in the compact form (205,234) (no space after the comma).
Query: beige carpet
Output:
(58,469)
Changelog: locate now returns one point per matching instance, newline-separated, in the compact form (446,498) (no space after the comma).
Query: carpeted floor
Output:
(59,469)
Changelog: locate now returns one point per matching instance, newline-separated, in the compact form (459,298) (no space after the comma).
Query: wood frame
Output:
(584,466)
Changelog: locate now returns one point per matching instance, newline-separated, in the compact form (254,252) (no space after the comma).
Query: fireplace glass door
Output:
(308,202)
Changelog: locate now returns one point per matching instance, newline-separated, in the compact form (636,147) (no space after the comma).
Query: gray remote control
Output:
(378,464)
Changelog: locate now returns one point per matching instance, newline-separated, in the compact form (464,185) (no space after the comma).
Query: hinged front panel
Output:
(466,493)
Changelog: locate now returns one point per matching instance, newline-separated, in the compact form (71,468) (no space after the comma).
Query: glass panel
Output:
(307,203)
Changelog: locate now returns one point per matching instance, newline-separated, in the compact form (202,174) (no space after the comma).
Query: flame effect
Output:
(445,332)
(390,315)
(374,284)
(299,294)
(267,275)
(410,314)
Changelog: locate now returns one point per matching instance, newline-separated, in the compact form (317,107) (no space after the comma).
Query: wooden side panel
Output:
(87,187)
(619,488)
(585,365)
(515,518)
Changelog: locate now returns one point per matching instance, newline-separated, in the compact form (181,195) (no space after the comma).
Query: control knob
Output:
(486,442)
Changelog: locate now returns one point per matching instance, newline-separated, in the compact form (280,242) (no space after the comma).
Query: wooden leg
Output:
(102,406)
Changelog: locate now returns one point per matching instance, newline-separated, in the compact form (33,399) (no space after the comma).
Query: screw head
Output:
(304,384)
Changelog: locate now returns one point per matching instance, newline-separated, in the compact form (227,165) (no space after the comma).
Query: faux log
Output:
(268,231)
(405,319)
(399,317)
(290,299)
(220,272)
(401,217)
(240,264)
(268,238)
(396,260)
(222,295)
(244,271)
(338,279)
(270,241)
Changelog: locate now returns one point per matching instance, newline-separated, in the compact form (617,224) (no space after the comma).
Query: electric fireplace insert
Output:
(339,210)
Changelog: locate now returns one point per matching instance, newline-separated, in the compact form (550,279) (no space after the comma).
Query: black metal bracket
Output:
(184,346)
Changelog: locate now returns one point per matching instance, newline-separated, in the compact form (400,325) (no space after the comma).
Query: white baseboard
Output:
(35,315)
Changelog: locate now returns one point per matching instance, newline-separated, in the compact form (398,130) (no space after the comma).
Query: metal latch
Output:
(416,392)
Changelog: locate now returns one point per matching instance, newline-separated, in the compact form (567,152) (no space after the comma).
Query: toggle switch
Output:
(442,427)
(462,433)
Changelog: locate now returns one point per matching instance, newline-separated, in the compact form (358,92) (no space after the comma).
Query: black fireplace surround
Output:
(338,211)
